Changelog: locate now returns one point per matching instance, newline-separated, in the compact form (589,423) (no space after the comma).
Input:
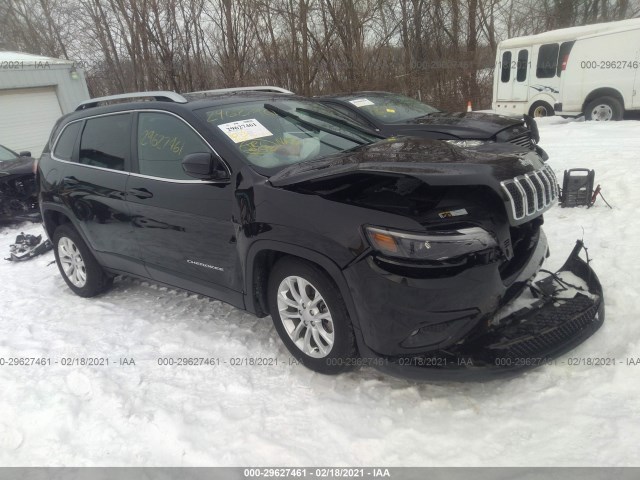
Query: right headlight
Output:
(435,246)
(466,143)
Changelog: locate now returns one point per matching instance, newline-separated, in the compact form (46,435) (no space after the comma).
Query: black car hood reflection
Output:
(462,124)
(435,162)
(20,166)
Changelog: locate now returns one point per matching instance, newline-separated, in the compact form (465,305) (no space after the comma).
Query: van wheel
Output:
(77,265)
(311,317)
(541,109)
(604,109)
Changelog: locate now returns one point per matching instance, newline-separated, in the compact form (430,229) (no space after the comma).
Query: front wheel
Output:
(311,317)
(604,109)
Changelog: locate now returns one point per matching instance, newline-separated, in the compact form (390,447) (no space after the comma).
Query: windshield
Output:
(390,107)
(6,154)
(276,133)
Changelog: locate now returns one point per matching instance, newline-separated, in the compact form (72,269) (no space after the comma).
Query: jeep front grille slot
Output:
(522,140)
(531,193)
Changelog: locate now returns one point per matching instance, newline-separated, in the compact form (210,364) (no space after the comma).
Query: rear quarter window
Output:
(67,141)
(106,141)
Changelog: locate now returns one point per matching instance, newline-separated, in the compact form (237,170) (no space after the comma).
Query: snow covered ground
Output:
(146,414)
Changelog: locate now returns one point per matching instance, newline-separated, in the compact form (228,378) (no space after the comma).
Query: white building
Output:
(34,92)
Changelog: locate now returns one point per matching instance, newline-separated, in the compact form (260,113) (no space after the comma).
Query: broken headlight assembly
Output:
(431,246)
(467,143)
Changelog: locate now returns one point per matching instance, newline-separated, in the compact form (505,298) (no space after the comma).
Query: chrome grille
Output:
(531,193)
(522,140)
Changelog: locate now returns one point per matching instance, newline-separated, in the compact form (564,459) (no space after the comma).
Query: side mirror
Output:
(204,166)
(25,154)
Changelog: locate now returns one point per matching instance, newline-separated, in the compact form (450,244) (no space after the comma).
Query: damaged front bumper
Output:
(550,318)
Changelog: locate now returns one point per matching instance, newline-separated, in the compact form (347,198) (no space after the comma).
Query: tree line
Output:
(441,51)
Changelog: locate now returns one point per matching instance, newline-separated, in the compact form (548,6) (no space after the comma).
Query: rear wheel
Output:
(604,109)
(311,317)
(541,109)
(79,268)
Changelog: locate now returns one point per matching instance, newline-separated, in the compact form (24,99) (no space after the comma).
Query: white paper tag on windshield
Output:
(244,130)
(361,102)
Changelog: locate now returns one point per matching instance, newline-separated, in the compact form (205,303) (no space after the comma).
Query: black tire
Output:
(97,280)
(343,354)
(617,110)
(541,109)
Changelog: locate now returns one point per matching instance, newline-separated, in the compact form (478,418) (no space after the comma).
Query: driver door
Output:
(183,225)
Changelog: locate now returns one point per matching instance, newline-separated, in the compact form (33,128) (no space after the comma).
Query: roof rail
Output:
(258,88)
(159,95)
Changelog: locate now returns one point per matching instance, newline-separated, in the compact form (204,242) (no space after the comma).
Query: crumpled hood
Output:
(436,162)
(463,124)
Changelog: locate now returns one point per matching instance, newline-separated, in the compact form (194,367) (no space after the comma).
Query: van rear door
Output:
(513,81)
(520,73)
(505,88)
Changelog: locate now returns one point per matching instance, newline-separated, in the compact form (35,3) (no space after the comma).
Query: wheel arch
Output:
(541,97)
(263,254)
(602,92)
(53,217)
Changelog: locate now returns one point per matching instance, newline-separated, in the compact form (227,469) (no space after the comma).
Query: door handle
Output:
(141,193)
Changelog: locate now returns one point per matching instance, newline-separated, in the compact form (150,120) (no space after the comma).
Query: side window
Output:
(105,141)
(66,142)
(522,65)
(563,56)
(505,67)
(163,141)
(547,61)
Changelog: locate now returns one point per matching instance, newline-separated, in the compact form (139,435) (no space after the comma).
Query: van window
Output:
(563,56)
(522,65)
(163,141)
(106,141)
(506,66)
(547,61)
(66,142)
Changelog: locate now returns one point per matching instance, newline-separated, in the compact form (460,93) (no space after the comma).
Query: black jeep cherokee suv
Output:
(403,253)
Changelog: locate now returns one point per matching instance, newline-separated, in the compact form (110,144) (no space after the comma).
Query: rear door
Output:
(505,79)
(520,75)
(96,157)
(183,225)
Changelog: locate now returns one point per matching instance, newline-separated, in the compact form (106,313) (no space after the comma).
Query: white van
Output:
(602,75)
(530,71)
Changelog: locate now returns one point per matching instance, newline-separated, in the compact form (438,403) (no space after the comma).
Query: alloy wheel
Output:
(305,316)
(72,262)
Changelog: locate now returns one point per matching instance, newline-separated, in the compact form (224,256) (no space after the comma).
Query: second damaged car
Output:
(18,192)
(411,255)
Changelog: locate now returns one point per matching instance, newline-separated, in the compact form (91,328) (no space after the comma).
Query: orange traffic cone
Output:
(469,109)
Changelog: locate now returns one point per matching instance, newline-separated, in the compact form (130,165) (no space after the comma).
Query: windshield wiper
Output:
(331,118)
(311,125)
(427,114)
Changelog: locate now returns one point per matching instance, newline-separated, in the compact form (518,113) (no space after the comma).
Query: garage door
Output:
(27,117)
